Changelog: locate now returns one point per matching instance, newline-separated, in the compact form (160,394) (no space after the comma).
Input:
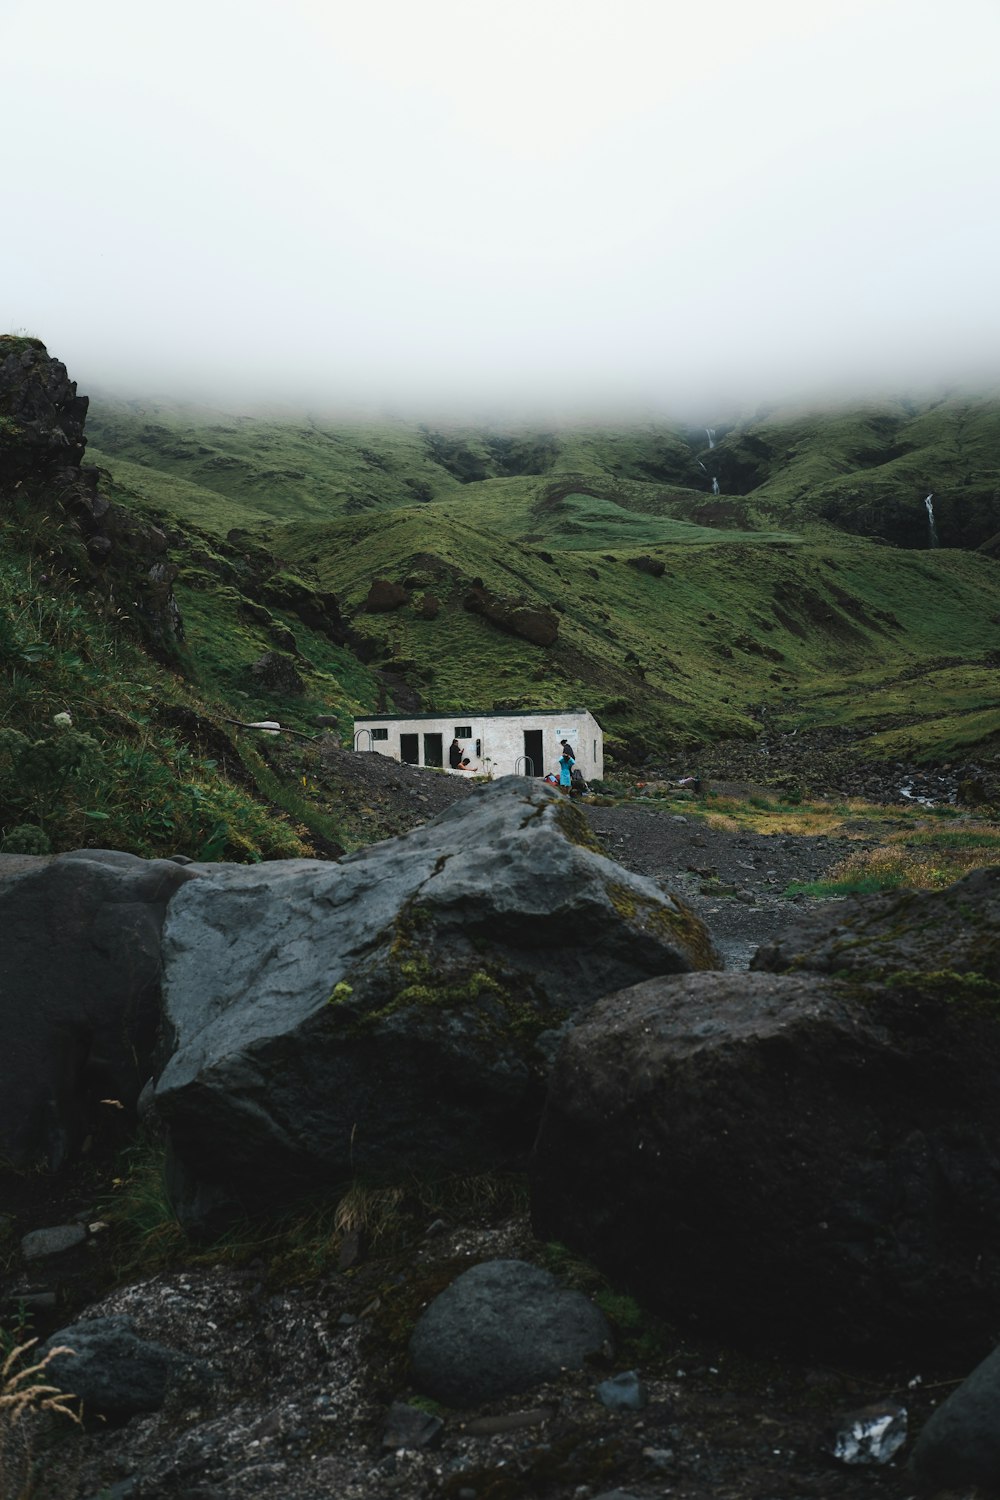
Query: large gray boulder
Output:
(396,1011)
(79,992)
(787,1160)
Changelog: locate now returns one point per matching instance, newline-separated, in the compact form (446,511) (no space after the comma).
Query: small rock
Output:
(624,1392)
(33,1301)
(871,1435)
(409,1427)
(42,1242)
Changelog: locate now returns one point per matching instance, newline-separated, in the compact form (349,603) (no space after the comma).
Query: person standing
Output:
(568,750)
(565,771)
(457,757)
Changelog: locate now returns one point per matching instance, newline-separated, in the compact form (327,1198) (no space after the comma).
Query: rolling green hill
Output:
(677,613)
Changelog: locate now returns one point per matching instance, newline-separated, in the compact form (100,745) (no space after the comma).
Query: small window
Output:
(463,731)
(380,734)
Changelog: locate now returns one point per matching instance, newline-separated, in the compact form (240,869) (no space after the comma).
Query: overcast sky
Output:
(526,202)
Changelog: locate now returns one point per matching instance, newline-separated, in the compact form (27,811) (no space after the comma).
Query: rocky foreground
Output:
(763,1218)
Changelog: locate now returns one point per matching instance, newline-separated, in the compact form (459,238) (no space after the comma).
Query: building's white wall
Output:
(501,739)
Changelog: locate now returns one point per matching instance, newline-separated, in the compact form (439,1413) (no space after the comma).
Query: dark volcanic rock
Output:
(645,564)
(79,991)
(501,1328)
(396,1011)
(787,1159)
(915,938)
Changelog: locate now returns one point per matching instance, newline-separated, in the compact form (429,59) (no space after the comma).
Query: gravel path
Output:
(733,881)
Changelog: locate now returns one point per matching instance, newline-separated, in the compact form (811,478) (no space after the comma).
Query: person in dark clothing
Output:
(578,786)
(567,749)
(457,758)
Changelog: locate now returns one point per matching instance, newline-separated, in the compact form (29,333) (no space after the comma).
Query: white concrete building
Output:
(499,744)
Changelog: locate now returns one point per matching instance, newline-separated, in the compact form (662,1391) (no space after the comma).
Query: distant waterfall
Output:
(715,486)
(710,434)
(932,528)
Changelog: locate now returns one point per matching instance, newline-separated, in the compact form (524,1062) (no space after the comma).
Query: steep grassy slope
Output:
(870,470)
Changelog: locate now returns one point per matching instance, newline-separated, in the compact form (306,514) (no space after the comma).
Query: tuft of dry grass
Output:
(26,1395)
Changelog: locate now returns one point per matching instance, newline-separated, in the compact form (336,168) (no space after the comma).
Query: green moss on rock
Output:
(676,925)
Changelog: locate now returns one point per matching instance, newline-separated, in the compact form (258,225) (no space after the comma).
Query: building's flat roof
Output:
(476,713)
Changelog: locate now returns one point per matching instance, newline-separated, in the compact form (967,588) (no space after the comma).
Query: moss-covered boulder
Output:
(395,1012)
(912,939)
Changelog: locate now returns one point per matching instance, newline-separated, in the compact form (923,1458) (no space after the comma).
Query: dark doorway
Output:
(533,750)
(433,750)
(409,749)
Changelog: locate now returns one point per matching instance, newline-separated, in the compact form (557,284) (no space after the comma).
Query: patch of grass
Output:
(147,1235)
(930,862)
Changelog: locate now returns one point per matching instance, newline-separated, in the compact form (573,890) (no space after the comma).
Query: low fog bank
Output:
(329,402)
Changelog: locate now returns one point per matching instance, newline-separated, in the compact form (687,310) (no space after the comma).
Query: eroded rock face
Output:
(42,416)
(398,1010)
(79,991)
(788,1159)
(384,596)
(88,537)
(539,626)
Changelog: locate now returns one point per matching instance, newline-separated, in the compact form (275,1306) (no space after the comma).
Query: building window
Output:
(380,734)
(463,731)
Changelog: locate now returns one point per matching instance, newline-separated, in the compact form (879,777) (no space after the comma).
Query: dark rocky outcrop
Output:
(79,992)
(385,596)
(41,415)
(645,564)
(501,1328)
(787,1159)
(317,608)
(539,626)
(87,537)
(396,1011)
